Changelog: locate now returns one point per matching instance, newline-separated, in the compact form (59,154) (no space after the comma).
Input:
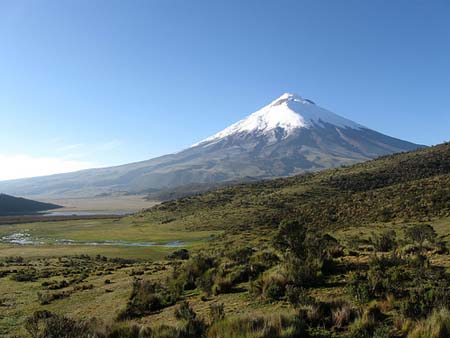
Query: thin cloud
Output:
(65,158)
(70,147)
(80,151)
(21,166)
(109,145)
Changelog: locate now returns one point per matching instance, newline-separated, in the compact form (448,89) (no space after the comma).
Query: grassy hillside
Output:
(168,194)
(401,187)
(15,205)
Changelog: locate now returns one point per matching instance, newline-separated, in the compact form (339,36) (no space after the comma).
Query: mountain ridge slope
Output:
(291,135)
(406,187)
(10,205)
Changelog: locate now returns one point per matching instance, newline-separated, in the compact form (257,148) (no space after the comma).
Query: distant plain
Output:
(103,203)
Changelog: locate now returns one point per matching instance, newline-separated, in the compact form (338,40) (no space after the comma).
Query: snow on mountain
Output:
(289,112)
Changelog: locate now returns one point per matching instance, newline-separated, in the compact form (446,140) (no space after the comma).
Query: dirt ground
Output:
(108,203)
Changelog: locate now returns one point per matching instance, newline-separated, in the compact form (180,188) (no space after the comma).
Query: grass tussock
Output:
(437,325)
(276,325)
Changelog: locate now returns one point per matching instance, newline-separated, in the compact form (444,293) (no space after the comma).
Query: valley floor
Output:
(84,282)
(106,203)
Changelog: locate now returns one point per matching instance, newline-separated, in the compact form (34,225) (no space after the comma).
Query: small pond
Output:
(24,238)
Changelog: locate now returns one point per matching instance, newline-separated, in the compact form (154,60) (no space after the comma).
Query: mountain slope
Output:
(412,186)
(291,135)
(15,205)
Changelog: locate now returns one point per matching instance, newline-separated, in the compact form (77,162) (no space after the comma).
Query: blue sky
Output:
(93,83)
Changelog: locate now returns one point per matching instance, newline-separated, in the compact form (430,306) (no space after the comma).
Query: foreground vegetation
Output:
(353,252)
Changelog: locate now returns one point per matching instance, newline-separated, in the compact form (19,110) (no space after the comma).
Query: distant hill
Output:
(168,194)
(291,135)
(404,187)
(10,205)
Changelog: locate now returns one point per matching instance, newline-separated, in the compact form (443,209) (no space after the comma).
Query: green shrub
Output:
(14,259)
(420,233)
(387,275)
(194,327)
(206,281)
(216,312)
(369,325)
(304,272)
(25,275)
(83,287)
(298,296)
(146,297)
(359,288)
(271,285)
(263,260)
(163,331)
(55,285)
(44,324)
(307,255)
(274,291)
(240,255)
(222,285)
(437,325)
(291,238)
(421,301)
(273,326)
(179,254)
(48,297)
(385,241)
(242,273)
(124,330)
(327,315)
(192,269)
(342,315)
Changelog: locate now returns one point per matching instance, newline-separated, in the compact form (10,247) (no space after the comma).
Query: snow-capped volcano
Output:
(290,135)
(286,114)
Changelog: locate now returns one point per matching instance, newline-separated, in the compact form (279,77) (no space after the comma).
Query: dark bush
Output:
(307,255)
(385,241)
(222,284)
(194,327)
(14,260)
(304,272)
(242,273)
(261,261)
(216,312)
(124,331)
(146,297)
(192,269)
(25,275)
(298,296)
(179,254)
(359,288)
(240,255)
(44,324)
(206,282)
(274,291)
(421,301)
(420,233)
(48,297)
(57,285)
